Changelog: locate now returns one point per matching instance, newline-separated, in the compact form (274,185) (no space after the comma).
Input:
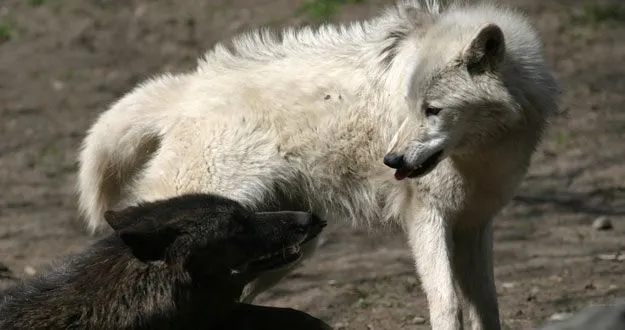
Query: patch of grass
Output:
(595,14)
(362,303)
(564,302)
(363,298)
(561,139)
(323,9)
(50,149)
(361,294)
(37,2)
(6,32)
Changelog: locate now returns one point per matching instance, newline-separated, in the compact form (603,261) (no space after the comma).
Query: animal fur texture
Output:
(453,96)
(179,263)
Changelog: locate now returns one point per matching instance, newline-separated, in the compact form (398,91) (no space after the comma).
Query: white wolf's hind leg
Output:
(430,242)
(473,266)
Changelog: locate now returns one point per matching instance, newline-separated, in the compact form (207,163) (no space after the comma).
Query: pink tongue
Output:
(401,174)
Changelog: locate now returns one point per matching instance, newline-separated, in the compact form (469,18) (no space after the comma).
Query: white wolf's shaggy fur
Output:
(304,118)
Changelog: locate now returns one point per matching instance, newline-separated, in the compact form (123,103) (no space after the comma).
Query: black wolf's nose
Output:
(394,160)
(314,226)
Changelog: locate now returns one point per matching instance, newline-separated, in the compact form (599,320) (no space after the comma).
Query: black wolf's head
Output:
(209,235)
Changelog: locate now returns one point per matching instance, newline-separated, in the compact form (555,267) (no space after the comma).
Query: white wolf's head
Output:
(478,73)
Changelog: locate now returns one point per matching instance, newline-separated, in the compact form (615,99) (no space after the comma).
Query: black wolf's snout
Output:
(291,224)
(313,225)
(394,160)
(303,219)
(308,224)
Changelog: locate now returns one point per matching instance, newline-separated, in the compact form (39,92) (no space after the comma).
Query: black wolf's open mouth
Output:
(276,260)
(420,170)
(287,255)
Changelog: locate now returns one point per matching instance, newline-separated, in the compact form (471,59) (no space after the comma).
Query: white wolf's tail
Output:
(115,149)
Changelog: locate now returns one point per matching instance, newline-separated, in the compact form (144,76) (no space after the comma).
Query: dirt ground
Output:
(63,62)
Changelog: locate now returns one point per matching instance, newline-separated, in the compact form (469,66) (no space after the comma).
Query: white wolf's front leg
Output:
(430,240)
(473,266)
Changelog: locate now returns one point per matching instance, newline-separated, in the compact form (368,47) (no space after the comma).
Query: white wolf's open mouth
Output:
(421,169)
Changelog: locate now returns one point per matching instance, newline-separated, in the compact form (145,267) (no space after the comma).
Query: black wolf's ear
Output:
(146,242)
(485,51)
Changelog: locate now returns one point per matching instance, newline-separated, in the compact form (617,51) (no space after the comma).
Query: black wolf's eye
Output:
(432,111)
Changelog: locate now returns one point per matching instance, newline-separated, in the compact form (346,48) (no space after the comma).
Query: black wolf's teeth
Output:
(289,250)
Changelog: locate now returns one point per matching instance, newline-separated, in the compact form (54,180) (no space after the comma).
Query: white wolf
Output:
(454,97)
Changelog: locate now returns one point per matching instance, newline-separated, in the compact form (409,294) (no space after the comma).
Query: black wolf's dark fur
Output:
(179,263)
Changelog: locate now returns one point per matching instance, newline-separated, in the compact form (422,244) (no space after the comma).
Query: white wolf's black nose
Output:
(394,160)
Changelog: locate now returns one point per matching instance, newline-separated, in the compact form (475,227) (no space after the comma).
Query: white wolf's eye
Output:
(431,111)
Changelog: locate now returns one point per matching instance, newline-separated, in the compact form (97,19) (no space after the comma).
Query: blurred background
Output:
(557,245)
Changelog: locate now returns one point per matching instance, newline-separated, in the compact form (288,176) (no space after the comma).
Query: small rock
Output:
(386,304)
(332,282)
(508,285)
(140,10)
(30,271)
(362,303)
(602,223)
(560,316)
(618,256)
(418,320)
(341,326)
(58,85)
(555,278)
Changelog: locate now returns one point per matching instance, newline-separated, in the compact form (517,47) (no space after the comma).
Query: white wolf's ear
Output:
(485,51)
